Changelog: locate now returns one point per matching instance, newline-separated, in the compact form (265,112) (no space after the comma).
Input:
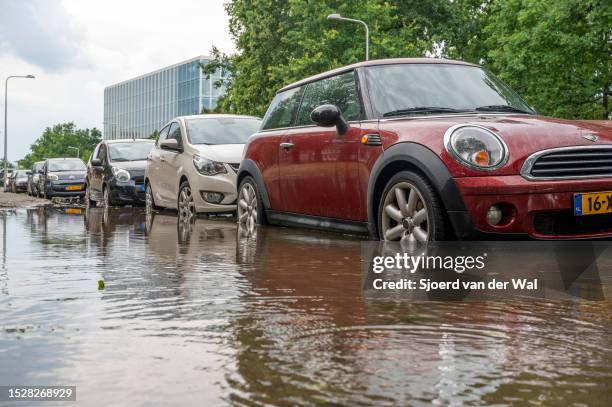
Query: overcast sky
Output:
(75,48)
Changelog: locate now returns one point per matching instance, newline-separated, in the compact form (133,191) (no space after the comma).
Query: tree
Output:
(54,142)
(555,53)
(281,41)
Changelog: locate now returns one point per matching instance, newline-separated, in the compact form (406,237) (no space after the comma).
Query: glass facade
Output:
(137,107)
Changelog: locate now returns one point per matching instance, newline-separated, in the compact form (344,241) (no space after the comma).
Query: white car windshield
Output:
(221,130)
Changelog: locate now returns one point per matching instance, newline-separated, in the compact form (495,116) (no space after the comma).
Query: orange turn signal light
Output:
(482,158)
(364,139)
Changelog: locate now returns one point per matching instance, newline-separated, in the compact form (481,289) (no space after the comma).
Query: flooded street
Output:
(202,314)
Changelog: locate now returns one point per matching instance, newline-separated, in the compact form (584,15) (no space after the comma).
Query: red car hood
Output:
(523,134)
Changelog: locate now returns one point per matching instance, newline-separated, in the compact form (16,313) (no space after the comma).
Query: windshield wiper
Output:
(424,109)
(501,108)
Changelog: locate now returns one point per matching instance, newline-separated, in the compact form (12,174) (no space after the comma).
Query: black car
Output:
(33,178)
(18,181)
(63,177)
(115,172)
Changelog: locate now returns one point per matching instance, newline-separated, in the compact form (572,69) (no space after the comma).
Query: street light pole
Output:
(77,149)
(352,20)
(6,120)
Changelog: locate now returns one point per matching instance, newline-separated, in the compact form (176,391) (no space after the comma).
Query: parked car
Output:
(10,172)
(18,181)
(193,165)
(422,149)
(33,178)
(115,172)
(63,177)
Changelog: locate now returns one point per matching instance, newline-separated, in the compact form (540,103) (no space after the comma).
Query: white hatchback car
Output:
(194,162)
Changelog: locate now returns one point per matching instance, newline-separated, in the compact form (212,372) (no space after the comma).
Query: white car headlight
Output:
(476,147)
(208,167)
(52,177)
(121,175)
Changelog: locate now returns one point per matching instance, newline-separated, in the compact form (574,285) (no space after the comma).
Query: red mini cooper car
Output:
(424,149)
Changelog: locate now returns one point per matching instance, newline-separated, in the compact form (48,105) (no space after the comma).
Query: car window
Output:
(66,165)
(136,151)
(175,132)
(221,130)
(282,109)
(340,90)
(102,153)
(94,154)
(405,89)
(163,133)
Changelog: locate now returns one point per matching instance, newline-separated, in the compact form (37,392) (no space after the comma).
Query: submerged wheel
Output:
(185,204)
(250,206)
(106,199)
(90,203)
(410,210)
(149,200)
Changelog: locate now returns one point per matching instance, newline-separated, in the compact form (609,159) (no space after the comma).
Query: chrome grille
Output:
(569,163)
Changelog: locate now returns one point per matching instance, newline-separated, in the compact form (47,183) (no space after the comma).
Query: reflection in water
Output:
(205,313)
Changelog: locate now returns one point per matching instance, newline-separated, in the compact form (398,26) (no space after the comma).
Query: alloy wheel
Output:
(186,205)
(405,216)
(148,199)
(247,207)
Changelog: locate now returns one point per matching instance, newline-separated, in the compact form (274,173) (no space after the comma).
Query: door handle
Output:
(287,146)
(161,158)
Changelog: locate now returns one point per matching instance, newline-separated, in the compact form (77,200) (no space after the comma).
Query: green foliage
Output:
(281,41)
(154,135)
(55,141)
(556,53)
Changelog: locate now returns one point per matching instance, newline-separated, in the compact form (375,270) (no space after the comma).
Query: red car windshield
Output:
(415,89)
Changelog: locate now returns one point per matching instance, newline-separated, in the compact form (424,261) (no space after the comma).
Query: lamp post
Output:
(6,119)
(352,20)
(75,148)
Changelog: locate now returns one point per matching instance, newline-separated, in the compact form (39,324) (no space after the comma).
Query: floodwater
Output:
(204,314)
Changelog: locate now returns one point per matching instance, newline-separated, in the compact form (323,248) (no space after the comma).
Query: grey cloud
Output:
(40,32)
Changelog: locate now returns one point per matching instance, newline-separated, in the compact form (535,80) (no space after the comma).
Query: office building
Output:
(136,107)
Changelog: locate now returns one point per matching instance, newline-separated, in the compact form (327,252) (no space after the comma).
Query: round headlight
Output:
(121,175)
(476,147)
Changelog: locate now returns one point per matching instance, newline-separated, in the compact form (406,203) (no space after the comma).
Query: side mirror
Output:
(169,144)
(328,116)
(96,162)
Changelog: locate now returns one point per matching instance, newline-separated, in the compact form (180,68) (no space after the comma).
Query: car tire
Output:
(90,203)
(185,202)
(250,209)
(421,217)
(107,202)
(149,199)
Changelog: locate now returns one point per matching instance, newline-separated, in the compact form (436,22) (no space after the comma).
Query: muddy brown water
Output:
(204,314)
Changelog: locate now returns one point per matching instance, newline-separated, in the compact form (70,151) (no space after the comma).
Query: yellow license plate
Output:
(592,203)
(73,188)
(75,211)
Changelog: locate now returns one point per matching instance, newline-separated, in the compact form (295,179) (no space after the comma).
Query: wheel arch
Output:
(418,158)
(183,179)
(249,168)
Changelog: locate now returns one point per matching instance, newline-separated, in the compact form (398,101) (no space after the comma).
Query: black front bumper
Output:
(59,188)
(127,193)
